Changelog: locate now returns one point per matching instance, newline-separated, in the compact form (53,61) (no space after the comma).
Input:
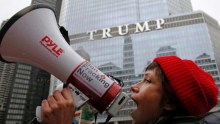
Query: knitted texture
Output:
(193,87)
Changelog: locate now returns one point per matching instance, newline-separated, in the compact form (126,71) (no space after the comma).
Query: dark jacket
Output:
(210,118)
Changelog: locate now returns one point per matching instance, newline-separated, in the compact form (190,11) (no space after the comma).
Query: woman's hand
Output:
(58,108)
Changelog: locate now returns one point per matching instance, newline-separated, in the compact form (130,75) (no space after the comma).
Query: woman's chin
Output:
(133,113)
(137,117)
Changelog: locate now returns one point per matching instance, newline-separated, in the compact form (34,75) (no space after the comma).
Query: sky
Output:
(9,7)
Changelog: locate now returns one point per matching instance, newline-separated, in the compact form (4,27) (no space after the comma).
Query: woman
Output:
(170,90)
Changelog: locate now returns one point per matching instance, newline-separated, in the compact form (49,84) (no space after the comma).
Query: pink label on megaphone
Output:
(99,88)
(92,78)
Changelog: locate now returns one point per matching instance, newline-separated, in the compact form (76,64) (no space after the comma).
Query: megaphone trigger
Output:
(38,113)
(79,98)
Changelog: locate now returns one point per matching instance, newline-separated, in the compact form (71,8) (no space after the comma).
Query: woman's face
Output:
(147,94)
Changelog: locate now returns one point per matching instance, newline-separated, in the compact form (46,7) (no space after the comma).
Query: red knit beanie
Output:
(193,87)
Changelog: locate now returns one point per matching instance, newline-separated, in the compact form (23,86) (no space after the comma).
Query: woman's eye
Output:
(147,80)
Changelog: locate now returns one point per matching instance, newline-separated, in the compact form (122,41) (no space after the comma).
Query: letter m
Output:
(143,28)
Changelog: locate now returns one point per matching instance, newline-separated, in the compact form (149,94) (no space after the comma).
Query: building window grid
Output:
(129,65)
(13,122)
(15,111)
(22,81)
(25,67)
(203,61)
(182,23)
(23,96)
(14,100)
(208,67)
(123,113)
(184,18)
(21,86)
(127,60)
(23,91)
(27,72)
(119,73)
(17,117)
(17,106)
(214,73)
(128,53)
(23,76)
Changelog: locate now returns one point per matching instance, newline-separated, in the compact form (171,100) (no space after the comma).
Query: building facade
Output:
(6,80)
(123,37)
(124,52)
(79,16)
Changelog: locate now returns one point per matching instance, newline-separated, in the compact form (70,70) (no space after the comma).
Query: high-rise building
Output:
(123,37)
(6,81)
(30,86)
(205,62)
(184,35)
(79,16)
(166,51)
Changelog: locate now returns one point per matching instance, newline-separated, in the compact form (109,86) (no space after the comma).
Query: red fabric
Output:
(194,88)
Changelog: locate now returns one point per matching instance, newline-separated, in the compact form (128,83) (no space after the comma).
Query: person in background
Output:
(173,91)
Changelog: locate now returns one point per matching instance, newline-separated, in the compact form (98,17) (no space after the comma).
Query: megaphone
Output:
(32,36)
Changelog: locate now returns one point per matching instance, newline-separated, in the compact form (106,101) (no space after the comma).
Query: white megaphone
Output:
(32,36)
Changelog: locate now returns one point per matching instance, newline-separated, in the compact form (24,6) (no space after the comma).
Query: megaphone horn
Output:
(32,36)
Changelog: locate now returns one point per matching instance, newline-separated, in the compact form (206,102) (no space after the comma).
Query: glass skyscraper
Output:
(80,15)
(123,37)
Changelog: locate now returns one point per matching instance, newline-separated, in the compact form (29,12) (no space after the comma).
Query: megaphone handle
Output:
(38,114)
(38,108)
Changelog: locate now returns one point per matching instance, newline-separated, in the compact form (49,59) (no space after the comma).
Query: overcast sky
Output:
(9,7)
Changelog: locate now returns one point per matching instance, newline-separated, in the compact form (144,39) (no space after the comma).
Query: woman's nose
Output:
(134,88)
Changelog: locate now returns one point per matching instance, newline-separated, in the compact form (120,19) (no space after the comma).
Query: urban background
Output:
(124,54)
